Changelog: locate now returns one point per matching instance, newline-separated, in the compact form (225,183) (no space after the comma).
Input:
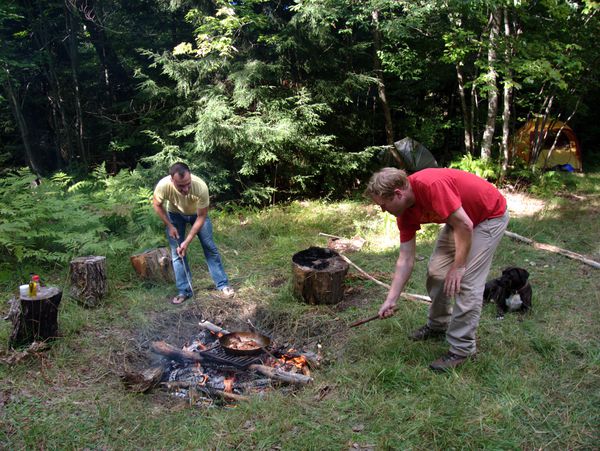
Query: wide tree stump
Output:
(154,264)
(318,275)
(88,280)
(35,318)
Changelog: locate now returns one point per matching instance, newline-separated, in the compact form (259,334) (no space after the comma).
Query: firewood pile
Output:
(204,374)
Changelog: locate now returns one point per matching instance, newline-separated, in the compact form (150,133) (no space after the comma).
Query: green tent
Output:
(415,155)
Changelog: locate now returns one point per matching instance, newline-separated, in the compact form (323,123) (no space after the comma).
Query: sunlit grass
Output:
(534,385)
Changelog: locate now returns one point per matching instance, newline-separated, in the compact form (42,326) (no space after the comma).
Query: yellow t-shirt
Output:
(176,202)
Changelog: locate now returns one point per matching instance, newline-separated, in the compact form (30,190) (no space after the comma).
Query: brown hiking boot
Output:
(425,333)
(449,361)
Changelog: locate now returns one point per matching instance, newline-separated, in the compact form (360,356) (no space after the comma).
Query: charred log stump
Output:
(318,275)
(154,265)
(35,318)
(88,280)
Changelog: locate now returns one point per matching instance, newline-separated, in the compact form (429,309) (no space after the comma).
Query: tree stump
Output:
(35,318)
(88,279)
(318,275)
(154,264)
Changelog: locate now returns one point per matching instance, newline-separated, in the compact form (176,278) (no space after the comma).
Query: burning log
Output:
(154,264)
(144,381)
(280,375)
(35,318)
(318,275)
(88,279)
(171,352)
(207,390)
(212,327)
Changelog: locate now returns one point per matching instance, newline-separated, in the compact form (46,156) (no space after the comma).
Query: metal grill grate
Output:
(218,355)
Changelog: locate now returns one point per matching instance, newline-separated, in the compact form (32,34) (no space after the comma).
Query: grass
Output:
(535,384)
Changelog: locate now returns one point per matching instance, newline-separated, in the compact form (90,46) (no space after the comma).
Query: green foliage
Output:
(483,167)
(61,218)
(546,184)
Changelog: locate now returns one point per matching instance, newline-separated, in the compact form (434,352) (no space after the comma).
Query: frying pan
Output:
(228,341)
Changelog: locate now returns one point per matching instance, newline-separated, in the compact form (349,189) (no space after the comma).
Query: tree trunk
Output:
(507,95)
(467,119)
(37,317)
(72,26)
(116,79)
(154,264)
(318,275)
(19,119)
(492,89)
(389,126)
(88,280)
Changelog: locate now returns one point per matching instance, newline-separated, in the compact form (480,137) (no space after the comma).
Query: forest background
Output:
(285,109)
(267,101)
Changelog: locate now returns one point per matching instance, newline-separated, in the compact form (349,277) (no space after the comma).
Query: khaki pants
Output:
(461,321)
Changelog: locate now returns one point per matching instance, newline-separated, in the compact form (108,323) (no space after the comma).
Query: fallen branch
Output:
(555,249)
(283,376)
(212,327)
(162,348)
(408,296)
(204,389)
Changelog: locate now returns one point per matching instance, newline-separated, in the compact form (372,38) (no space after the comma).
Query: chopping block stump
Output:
(88,280)
(318,275)
(35,318)
(154,265)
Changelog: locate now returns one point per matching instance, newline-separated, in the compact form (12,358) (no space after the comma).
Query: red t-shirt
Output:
(440,192)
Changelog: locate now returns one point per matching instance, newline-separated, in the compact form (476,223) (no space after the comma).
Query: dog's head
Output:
(514,278)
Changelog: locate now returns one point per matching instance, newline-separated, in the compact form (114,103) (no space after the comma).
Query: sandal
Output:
(179,299)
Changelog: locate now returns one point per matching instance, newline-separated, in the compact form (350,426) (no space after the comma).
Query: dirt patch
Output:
(521,204)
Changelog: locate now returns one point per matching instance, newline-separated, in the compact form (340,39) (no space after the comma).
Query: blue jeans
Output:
(211,253)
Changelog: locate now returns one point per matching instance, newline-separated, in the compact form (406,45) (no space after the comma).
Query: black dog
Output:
(511,292)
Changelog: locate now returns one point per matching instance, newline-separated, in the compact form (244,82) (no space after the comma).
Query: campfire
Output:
(218,364)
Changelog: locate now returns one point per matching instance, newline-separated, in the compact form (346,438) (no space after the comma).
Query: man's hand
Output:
(453,279)
(387,309)
(181,249)
(173,233)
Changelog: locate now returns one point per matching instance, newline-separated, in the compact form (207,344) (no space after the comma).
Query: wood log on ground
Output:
(88,280)
(37,318)
(173,353)
(143,381)
(204,389)
(318,275)
(284,376)
(555,249)
(154,265)
(212,327)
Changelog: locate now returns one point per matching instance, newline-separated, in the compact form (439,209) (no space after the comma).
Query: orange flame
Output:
(228,382)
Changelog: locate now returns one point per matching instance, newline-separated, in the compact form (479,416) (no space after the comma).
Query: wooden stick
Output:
(212,327)
(208,390)
(331,236)
(160,347)
(551,248)
(408,296)
(278,374)
(363,321)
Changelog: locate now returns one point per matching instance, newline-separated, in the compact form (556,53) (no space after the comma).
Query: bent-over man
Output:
(475,217)
(186,199)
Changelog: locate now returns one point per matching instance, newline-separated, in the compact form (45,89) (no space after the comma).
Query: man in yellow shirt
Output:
(181,198)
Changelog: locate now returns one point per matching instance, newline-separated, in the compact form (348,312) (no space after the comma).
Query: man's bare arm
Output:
(404,267)
(462,229)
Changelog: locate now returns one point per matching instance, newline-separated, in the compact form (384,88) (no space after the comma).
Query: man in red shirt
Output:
(475,217)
